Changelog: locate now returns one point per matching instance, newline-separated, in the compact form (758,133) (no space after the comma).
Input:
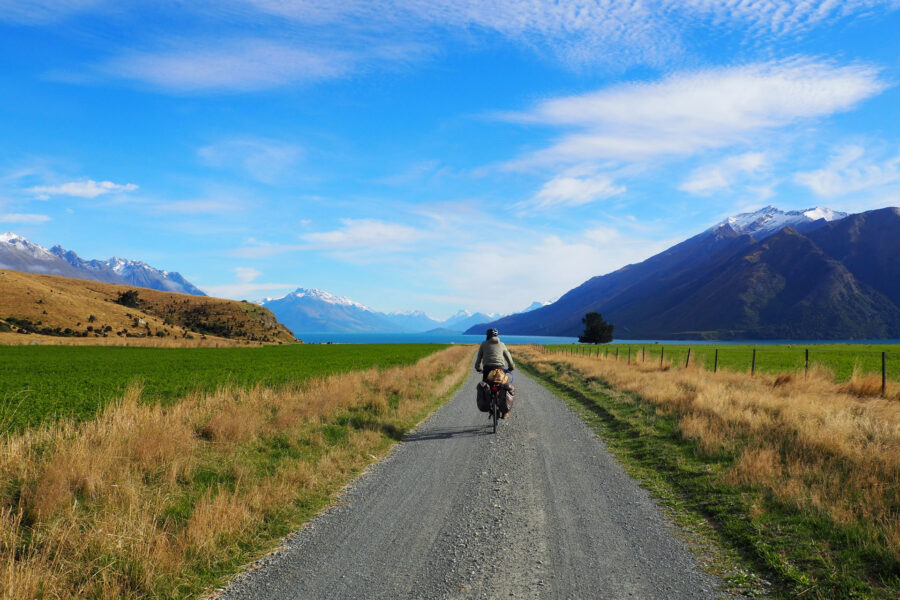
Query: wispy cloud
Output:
(574,188)
(264,160)
(715,177)
(244,65)
(86,188)
(689,112)
(367,235)
(850,171)
(23,219)
(539,267)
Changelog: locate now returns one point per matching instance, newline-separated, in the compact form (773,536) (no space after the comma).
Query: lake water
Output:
(425,338)
(458,338)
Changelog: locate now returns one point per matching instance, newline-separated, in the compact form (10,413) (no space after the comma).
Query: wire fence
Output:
(843,360)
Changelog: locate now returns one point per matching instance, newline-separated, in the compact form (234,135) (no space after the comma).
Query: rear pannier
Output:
(483,396)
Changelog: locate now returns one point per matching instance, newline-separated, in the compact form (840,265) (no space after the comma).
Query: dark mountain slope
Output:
(838,279)
(868,244)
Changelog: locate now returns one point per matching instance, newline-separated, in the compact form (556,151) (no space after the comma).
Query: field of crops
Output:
(840,359)
(43,383)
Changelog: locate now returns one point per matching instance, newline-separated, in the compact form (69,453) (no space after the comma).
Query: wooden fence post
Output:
(883,373)
(662,352)
(716,361)
(617,353)
(806,364)
(753,364)
(643,353)
(629,355)
(687,362)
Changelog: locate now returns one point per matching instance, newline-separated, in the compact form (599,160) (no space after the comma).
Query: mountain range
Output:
(317,311)
(814,274)
(19,254)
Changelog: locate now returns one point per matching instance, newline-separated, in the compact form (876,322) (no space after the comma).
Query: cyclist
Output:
(493,355)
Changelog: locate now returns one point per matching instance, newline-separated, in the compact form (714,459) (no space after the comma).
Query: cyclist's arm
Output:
(478,358)
(509,360)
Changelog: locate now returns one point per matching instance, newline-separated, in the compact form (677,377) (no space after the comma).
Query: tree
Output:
(596,330)
(129,298)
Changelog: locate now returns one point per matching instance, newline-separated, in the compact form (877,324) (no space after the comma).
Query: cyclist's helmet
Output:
(492,333)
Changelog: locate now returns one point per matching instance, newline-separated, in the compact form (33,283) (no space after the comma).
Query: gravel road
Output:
(540,510)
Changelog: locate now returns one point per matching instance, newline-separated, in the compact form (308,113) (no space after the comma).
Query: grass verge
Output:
(153,501)
(794,479)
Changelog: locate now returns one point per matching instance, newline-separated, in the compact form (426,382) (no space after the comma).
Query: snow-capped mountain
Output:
(317,311)
(19,254)
(770,220)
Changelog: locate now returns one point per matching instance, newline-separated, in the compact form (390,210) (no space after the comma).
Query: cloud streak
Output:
(686,113)
(86,188)
(850,172)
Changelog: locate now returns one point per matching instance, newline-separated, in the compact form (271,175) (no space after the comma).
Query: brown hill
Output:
(64,307)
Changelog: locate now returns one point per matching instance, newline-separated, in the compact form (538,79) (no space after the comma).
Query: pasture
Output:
(40,384)
(840,359)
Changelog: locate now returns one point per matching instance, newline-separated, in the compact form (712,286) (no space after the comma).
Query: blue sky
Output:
(429,154)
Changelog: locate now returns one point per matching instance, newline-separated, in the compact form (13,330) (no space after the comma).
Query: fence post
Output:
(662,352)
(753,364)
(629,355)
(883,374)
(617,353)
(643,353)
(806,364)
(716,361)
(688,360)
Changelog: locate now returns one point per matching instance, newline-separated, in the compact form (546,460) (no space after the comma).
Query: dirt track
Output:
(541,510)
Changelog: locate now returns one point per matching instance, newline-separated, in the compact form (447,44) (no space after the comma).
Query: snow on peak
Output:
(9,236)
(322,295)
(769,220)
(23,245)
(821,212)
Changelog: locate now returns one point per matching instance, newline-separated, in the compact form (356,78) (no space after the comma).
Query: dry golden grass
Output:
(833,449)
(110,508)
(209,341)
(69,303)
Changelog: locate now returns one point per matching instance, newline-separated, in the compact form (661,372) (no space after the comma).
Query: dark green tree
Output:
(129,298)
(596,330)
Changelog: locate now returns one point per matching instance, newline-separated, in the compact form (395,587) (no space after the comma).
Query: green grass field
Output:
(841,359)
(44,383)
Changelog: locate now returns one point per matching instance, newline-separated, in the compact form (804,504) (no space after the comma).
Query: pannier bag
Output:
(507,397)
(483,396)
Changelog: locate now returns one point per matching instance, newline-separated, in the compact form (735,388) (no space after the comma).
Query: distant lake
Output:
(425,338)
(458,338)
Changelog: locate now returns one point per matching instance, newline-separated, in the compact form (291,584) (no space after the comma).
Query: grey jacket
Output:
(493,353)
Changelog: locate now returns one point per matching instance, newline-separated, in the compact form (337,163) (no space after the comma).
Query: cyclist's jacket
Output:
(493,353)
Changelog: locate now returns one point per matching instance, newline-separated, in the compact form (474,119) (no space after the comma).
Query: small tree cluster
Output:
(596,330)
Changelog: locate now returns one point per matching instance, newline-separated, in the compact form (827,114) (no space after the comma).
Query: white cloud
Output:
(263,160)
(245,65)
(241,290)
(246,274)
(722,175)
(534,268)
(86,188)
(574,188)
(850,172)
(25,219)
(365,234)
(238,66)
(689,112)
